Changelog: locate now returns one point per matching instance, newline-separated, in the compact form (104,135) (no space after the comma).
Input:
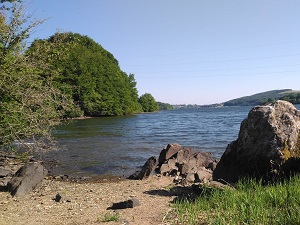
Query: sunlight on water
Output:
(118,145)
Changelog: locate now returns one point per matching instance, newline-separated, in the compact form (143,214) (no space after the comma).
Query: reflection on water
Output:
(118,145)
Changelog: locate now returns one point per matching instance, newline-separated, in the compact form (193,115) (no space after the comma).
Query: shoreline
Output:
(89,203)
(86,201)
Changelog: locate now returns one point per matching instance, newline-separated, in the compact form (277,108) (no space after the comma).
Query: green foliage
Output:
(164,106)
(91,76)
(250,203)
(148,103)
(293,97)
(29,103)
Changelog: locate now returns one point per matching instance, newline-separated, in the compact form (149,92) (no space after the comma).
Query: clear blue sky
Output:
(191,52)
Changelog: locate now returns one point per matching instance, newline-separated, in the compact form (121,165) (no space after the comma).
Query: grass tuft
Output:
(251,203)
(108,217)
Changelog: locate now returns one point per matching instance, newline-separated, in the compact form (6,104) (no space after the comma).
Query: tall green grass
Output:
(251,203)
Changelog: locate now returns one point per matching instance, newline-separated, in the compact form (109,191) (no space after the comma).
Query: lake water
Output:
(119,145)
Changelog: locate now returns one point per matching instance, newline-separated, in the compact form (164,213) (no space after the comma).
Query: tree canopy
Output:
(164,106)
(91,75)
(148,103)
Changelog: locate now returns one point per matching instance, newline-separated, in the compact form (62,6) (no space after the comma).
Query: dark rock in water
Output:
(131,203)
(268,145)
(26,179)
(146,171)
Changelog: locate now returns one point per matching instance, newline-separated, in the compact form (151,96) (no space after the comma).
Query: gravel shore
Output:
(87,203)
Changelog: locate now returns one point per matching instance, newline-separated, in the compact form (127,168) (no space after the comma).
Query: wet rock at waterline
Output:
(186,164)
(268,145)
(146,170)
(26,179)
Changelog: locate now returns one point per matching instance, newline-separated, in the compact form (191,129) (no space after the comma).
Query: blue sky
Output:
(189,52)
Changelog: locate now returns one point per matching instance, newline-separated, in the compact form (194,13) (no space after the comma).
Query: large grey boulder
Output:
(26,179)
(268,145)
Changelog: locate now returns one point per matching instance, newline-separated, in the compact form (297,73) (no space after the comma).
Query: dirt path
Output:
(88,203)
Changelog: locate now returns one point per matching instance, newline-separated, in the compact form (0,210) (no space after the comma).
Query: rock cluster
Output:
(186,164)
(268,145)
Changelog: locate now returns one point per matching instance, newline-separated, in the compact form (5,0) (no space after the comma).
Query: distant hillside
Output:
(266,97)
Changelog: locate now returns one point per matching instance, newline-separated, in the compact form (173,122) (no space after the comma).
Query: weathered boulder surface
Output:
(26,179)
(268,145)
(185,163)
(4,172)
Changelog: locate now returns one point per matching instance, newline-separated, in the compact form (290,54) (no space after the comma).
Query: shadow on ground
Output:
(181,193)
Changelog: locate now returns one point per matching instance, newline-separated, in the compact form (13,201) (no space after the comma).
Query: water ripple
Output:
(118,145)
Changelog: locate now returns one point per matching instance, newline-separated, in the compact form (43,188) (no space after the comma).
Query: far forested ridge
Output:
(266,97)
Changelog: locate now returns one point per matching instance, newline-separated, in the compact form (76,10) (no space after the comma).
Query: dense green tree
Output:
(148,103)
(164,106)
(92,76)
(29,104)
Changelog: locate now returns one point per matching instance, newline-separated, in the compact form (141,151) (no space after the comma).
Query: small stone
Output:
(61,198)
(131,203)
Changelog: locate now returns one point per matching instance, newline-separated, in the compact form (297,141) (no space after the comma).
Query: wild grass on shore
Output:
(251,203)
